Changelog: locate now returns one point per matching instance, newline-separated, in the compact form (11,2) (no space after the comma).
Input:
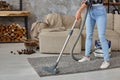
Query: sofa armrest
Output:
(69,20)
(36,28)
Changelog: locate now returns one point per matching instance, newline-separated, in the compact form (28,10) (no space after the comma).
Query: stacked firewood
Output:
(4,6)
(12,33)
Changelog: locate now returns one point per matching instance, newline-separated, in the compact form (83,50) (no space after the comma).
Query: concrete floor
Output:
(16,67)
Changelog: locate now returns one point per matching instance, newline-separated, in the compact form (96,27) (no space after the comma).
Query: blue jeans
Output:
(96,14)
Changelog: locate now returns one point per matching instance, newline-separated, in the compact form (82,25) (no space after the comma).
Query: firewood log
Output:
(12,33)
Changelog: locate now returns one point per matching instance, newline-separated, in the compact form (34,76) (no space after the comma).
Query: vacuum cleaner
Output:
(54,69)
(99,52)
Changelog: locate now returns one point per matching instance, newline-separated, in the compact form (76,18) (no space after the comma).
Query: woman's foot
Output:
(84,59)
(105,65)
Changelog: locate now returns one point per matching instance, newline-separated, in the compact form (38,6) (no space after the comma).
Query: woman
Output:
(96,14)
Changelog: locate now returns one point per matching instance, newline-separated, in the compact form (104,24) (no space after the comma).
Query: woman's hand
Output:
(78,15)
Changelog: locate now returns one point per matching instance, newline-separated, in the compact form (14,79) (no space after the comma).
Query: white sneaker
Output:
(84,59)
(105,65)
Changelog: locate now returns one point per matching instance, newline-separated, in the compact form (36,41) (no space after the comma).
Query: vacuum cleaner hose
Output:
(79,34)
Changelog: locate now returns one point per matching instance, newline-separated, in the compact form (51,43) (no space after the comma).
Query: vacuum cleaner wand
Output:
(54,69)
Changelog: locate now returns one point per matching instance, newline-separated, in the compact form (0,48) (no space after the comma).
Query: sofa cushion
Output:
(53,20)
(117,23)
(52,42)
(69,20)
(110,21)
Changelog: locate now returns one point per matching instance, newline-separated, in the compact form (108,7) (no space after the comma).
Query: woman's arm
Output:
(78,13)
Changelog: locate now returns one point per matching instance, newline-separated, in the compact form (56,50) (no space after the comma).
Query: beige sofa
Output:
(52,39)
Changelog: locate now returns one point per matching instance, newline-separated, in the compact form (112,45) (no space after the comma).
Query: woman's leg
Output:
(90,23)
(101,25)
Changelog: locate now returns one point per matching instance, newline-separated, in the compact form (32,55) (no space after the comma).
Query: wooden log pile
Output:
(12,33)
(4,6)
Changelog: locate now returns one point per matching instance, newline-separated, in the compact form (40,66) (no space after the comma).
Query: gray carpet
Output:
(68,66)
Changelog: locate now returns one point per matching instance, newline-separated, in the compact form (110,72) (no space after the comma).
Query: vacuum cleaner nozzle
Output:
(52,69)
